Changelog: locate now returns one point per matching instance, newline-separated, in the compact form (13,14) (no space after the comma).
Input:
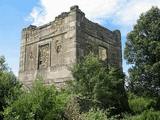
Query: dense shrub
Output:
(39,103)
(78,105)
(150,115)
(94,115)
(146,115)
(72,110)
(139,104)
(95,81)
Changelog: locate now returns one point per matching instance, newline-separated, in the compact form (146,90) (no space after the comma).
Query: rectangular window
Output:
(43,56)
(103,55)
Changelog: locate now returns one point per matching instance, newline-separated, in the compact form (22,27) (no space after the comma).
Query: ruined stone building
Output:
(51,50)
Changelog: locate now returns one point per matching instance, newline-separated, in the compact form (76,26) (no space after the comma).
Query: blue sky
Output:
(17,14)
(13,14)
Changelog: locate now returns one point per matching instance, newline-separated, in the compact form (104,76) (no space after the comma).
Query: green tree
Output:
(39,103)
(143,52)
(95,81)
(10,88)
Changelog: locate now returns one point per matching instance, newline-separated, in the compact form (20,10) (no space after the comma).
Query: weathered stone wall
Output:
(49,51)
(91,37)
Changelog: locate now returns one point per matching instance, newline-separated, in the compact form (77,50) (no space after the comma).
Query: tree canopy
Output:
(39,103)
(95,81)
(143,52)
(9,86)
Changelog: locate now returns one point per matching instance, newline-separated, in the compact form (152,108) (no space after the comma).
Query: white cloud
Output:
(121,12)
(96,10)
(129,12)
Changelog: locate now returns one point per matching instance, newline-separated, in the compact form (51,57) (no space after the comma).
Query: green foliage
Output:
(39,103)
(146,115)
(97,82)
(143,51)
(150,115)
(10,88)
(94,115)
(142,108)
(140,104)
(3,66)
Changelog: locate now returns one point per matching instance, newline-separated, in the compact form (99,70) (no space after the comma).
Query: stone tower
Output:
(51,50)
